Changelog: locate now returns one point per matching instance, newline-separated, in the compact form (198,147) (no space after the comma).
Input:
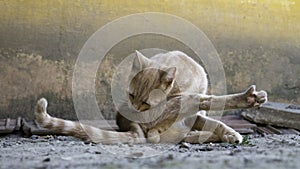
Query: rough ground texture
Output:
(270,151)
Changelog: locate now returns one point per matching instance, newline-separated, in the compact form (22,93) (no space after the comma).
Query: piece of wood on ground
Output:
(10,125)
(33,128)
(275,114)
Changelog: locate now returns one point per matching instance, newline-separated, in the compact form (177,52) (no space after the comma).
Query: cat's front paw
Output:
(153,136)
(232,136)
(255,98)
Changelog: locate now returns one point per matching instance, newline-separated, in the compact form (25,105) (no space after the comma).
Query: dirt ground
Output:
(269,151)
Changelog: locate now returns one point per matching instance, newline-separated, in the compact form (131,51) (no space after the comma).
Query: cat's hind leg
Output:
(218,128)
(197,137)
(81,131)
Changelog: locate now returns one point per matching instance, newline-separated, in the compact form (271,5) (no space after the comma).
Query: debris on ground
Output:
(276,114)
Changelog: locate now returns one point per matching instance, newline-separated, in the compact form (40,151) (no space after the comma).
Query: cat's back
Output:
(190,76)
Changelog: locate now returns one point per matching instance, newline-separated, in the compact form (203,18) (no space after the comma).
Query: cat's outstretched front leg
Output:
(248,99)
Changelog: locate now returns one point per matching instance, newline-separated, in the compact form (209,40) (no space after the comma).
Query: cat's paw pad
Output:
(232,137)
(41,105)
(255,98)
(153,136)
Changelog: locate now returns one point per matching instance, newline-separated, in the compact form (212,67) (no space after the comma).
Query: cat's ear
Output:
(140,62)
(168,76)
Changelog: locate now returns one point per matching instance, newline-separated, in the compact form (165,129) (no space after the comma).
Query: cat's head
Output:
(151,85)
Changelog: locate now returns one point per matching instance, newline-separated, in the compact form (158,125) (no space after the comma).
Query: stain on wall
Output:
(258,42)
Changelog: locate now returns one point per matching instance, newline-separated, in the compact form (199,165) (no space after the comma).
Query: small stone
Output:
(247,161)
(292,144)
(88,151)
(136,154)
(46,159)
(170,157)
(66,158)
(124,145)
(237,150)
(130,144)
(6,144)
(231,153)
(205,148)
(47,136)
(185,145)
(93,144)
(182,150)
(260,151)
(86,143)
(61,138)
(34,137)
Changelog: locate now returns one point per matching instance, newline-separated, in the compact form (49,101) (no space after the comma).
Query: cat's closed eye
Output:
(131,96)
(146,104)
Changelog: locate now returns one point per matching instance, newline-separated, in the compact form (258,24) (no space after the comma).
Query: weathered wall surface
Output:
(258,42)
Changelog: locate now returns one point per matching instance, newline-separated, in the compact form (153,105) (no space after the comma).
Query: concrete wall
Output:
(258,42)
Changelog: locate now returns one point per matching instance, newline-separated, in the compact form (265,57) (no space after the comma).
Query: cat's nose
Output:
(135,107)
(143,108)
(139,107)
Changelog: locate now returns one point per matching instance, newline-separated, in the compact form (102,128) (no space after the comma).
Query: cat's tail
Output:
(81,131)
